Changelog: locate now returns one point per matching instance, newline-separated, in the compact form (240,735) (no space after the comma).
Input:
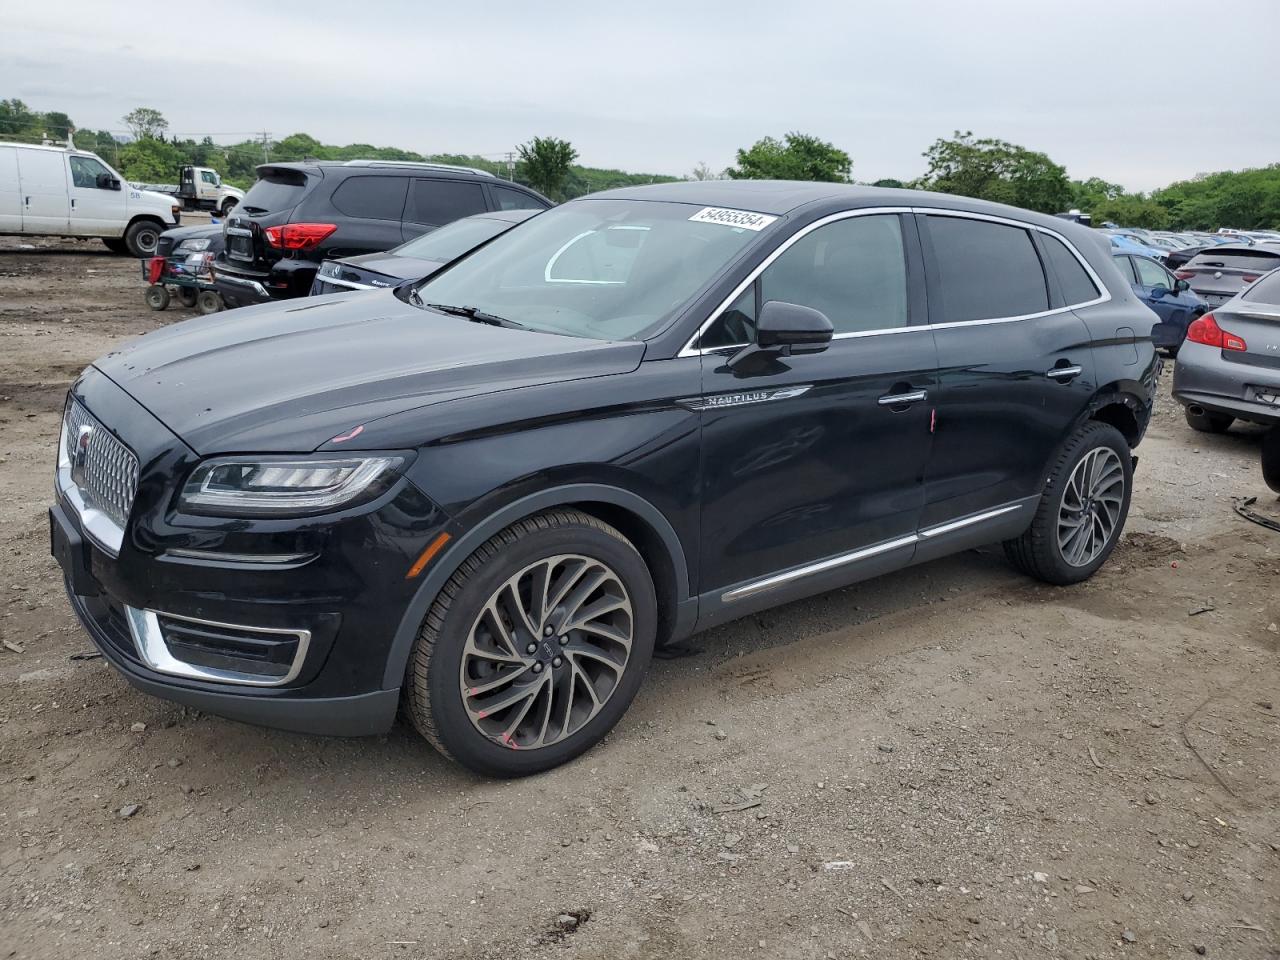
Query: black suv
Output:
(488,495)
(299,214)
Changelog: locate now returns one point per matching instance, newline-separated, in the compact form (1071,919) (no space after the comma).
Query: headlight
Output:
(280,487)
(192,246)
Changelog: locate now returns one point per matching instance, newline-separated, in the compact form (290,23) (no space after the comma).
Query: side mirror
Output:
(1159,291)
(106,181)
(786,329)
(1181,286)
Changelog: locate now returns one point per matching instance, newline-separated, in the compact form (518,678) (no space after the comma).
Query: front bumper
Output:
(282,623)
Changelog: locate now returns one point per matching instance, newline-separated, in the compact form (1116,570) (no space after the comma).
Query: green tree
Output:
(18,121)
(889,182)
(996,170)
(797,156)
(1130,210)
(145,123)
(150,161)
(545,164)
(703,172)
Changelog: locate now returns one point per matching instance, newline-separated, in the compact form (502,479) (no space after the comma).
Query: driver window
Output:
(85,170)
(1152,274)
(852,270)
(209,177)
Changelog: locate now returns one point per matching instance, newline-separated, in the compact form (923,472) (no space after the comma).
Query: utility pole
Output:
(266,141)
(511,165)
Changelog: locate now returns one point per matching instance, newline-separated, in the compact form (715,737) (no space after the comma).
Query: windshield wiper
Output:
(476,315)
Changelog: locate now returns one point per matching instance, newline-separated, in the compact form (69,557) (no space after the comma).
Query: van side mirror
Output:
(106,181)
(786,329)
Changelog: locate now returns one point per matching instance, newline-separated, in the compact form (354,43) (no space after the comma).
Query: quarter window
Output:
(1125,266)
(438,202)
(986,270)
(508,199)
(371,198)
(1077,287)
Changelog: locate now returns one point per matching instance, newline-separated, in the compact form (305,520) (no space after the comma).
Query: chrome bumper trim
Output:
(144,625)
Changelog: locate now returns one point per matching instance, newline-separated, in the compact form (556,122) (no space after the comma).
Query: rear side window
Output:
(371,198)
(279,190)
(986,270)
(443,201)
(507,199)
(1077,287)
(1125,266)
(1266,290)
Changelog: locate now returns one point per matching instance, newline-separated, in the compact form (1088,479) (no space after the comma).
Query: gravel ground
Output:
(951,762)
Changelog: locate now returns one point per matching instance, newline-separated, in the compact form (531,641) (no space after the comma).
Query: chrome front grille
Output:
(103,470)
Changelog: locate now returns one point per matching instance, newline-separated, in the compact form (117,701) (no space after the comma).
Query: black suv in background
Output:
(639,414)
(299,214)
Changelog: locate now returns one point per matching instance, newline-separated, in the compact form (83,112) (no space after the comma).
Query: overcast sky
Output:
(1140,93)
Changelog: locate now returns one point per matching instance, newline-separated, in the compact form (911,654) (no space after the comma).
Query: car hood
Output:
(287,377)
(389,265)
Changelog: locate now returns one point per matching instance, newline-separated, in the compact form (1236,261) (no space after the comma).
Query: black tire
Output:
(1271,458)
(1038,552)
(1209,422)
(157,297)
(142,237)
(208,302)
(187,296)
(434,697)
(116,245)
(227,207)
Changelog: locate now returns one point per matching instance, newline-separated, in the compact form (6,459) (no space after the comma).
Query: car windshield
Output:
(452,240)
(607,269)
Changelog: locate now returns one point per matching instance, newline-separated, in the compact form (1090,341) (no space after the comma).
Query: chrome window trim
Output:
(148,638)
(764,584)
(689,350)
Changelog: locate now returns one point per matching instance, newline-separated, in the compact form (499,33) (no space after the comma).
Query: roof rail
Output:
(418,164)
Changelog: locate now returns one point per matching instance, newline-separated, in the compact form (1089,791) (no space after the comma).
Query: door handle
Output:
(902,399)
(1064,374)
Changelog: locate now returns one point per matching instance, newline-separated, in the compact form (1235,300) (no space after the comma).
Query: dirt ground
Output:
(951,762)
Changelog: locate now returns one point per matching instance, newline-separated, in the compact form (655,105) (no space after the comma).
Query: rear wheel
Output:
(208,302)
(187,297)
(157,297)
(142,238)
(1207,422)
(535,647)
(1271,458)
(1082,510)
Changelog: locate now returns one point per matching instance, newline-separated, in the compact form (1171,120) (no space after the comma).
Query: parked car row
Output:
(297,215)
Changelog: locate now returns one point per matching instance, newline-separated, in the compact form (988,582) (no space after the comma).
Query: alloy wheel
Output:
(547,651)
(1091,506)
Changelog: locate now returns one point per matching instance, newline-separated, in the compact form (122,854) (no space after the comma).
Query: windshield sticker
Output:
(733,218)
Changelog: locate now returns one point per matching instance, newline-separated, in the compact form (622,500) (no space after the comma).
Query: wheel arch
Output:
(1122,410)
(636,518)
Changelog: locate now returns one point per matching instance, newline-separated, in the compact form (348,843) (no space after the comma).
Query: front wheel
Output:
(1082,510)
(115,245)
(227,207)
(535,647)
(142,238)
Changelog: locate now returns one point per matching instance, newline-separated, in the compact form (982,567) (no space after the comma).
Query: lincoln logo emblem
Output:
(80,455)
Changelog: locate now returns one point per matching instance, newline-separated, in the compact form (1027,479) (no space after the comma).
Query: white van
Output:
(63,192)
